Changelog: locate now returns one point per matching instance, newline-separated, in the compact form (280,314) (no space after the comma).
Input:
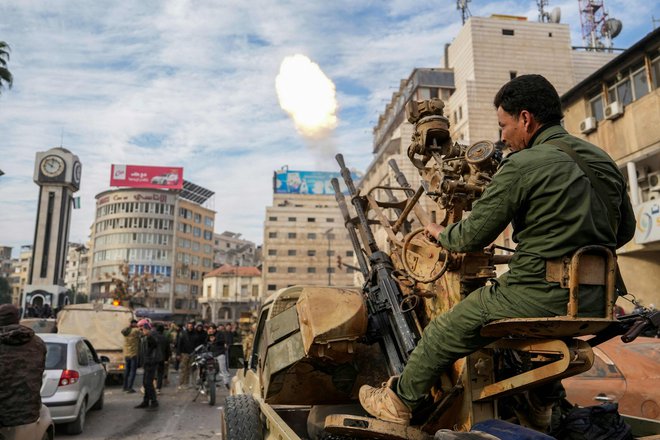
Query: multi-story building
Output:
(5,261)
(20,273)
(617,107)
(76,270)
(231,292)
(230,248)
(304,234)
(157,243)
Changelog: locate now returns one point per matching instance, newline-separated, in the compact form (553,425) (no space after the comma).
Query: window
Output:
(272,219)
(198,218)
(311,270)
(311,236)
(272,287)
(311,219)
(272,235)
(330,269)
(291,253)
(596,105)
(311,253)
(292,219)
(208,221)
(509,32)
(349,253)
(621,92)
(197,232)
(272,269)
(291,269)
(225,291)
(292,235)
(655,72)
(330,220)
(640,83)
(330,253)
(272,252)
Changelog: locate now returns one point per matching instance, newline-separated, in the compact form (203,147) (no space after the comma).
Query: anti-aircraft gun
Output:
(315,346)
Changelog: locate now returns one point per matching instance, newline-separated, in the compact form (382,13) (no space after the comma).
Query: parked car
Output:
(42,429)
(624,373)
(74,379)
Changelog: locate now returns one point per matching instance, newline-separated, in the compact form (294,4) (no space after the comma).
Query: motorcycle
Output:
(207,367)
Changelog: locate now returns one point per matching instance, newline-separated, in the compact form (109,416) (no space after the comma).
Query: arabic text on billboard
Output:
(139,176)
(648,222)
(308,182)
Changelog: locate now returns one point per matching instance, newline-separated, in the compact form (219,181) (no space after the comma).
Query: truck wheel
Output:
(240,418)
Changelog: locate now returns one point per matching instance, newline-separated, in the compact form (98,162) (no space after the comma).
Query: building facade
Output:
(617,108)
(231,292)
(76,271)
(230,248)
(155,243)
(303,236)
(20,274)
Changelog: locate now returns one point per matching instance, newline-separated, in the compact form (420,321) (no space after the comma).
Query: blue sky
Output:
(192,83)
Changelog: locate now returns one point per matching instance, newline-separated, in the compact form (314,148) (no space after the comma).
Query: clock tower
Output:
(57,172)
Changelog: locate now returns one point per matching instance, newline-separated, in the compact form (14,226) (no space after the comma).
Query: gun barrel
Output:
(350,227)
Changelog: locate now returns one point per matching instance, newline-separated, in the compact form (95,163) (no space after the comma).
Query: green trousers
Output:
(456,334)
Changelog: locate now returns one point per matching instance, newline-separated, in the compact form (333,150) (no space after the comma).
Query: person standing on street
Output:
(217,346)
(149,356)
(545,190)
(131,343)
(184,348)
(22,363)
(165,353)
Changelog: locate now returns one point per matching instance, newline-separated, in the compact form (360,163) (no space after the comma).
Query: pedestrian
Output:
(131,343)
(22,363)
(165,353)
(216,345)
(554,208)
(184,348)
(149,355)
(173,337)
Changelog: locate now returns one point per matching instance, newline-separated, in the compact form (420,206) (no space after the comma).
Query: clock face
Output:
(52,166)
(77,170)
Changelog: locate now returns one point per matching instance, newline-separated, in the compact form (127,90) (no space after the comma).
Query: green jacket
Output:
(131,341)
(551,205)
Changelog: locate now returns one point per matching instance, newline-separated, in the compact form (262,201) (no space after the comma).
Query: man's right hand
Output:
(433,230)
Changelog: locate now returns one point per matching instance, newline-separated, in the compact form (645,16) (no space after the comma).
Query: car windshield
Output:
(55,356)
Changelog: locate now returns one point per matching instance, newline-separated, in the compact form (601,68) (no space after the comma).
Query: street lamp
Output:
(329,237)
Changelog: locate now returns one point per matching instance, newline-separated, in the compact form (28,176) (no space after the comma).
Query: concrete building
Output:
(303,236)
(76,270)
(230,248)
(157,242)
(231,292)
(20,274)
(617,107)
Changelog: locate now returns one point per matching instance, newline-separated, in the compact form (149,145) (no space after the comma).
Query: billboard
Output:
(140,176)
(648,222)
(308,182)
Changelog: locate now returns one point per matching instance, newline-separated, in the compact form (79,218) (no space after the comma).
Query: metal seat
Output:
(550,340)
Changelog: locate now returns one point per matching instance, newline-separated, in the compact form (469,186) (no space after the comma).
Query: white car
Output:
(166,179)
(42,429)
(74,380)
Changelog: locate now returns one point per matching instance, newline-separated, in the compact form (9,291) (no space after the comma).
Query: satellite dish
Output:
(613,27)
(555,15)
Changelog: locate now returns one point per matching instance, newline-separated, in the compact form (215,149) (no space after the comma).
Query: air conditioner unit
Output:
(588,125)
(614,110)
(654,195)
(653,179)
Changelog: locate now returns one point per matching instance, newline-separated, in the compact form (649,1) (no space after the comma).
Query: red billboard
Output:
(140,176)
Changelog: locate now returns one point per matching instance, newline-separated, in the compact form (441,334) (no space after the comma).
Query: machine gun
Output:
(390,323)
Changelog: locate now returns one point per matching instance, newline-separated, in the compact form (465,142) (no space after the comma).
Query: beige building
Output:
(231,248)
(160,241)
(303,236)
(617,108)
(19,274)
(231,292)
(76,270)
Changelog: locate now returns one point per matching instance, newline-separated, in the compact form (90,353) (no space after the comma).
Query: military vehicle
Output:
(315,346)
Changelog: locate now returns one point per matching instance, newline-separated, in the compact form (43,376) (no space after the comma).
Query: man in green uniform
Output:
(554,210)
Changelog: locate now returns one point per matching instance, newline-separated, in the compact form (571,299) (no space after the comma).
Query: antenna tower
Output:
(465,11)
(543,16)
(597,30)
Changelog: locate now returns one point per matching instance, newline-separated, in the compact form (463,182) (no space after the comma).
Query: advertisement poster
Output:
(648,222)
(309,182)
(140,176)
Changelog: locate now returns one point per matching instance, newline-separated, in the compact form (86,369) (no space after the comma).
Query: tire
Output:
(241,419)
(210,383)
(76,427)
(99,403)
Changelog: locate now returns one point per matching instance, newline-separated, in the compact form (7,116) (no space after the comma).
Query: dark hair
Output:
(533,93)
(160,328)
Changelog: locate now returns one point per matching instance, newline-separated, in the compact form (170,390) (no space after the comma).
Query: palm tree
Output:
(5,74)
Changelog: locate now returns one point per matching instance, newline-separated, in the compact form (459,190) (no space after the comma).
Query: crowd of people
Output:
(158,346)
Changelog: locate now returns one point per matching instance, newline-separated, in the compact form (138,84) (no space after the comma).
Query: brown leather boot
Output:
(383,403)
